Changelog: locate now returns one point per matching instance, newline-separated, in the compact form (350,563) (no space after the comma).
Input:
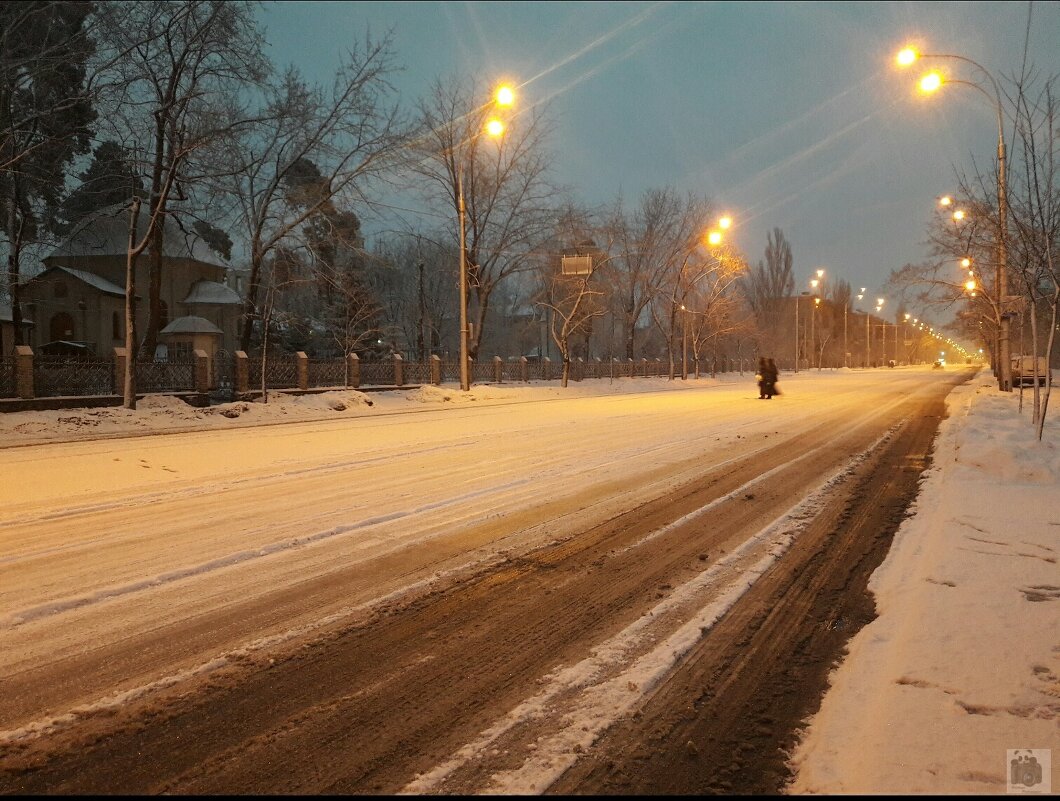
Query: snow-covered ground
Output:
(963,663)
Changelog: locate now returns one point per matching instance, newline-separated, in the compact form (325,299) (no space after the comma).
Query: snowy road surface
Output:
(464,598)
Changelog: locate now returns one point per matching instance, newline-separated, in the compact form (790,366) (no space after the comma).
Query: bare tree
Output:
(181,68)
(309,149)
(507,192)
(766,289)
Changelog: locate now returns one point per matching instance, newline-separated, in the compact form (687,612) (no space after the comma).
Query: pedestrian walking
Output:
(762,377)
(774,375)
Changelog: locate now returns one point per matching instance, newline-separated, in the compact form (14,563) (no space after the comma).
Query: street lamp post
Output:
(931,82)
(503,97)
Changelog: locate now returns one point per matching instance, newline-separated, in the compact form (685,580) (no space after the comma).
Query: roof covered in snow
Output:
(106,234)
(191,325)
(93,280)
(213,293)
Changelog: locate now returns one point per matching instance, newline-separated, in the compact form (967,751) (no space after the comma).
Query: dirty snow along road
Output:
(143,576)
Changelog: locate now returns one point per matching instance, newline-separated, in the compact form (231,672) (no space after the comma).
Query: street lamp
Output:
(929,84)
(504,96)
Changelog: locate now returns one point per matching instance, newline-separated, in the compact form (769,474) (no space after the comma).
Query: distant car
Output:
(937,365)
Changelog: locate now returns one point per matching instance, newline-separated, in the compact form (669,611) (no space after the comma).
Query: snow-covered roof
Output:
(7,316)
(93,280)
(106,233)
(213,293)
(191,324)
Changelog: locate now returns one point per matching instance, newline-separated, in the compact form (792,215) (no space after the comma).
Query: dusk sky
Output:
(786,115)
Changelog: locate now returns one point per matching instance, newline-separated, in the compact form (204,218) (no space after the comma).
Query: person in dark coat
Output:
(774,375)
(763,377)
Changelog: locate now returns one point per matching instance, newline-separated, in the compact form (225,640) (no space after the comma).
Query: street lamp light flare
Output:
(945,200)
(714,238)
(880,301)
(494,127)
(725,223)
(958,215)
(505,96)
(820,273)
(906,56)
(966,262)
(930,82)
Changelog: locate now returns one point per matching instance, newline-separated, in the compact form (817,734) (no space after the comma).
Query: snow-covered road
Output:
(130,565)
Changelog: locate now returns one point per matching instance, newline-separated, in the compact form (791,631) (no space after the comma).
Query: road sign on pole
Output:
(576,265)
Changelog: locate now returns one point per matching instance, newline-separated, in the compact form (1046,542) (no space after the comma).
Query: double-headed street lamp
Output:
(504,97)
(931,82)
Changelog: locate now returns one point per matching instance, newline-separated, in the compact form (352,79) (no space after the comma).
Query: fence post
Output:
(523,376)
(302,366)
(546,369)
(644,367)
(242,370)
(24,371)
(399,378)
(202,371)
(498,369)
(436,369)
(353,364)
(118,377)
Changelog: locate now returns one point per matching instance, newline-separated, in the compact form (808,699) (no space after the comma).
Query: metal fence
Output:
(281,372)
(8,388)
(416,373)
(167,376)
(377,373)
(327,372)
(55,376)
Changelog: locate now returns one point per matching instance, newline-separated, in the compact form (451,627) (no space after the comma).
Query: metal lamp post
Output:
(503,97)
(930,83)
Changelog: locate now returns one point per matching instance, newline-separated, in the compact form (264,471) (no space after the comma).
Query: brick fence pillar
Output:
(399,372)
(118,376)
(436,369)
(302,364)
(24,371)
(498,369)
(353,369)
(523,372)
(202,371)
(242,369)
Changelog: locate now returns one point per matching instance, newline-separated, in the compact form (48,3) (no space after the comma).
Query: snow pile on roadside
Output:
(963,662)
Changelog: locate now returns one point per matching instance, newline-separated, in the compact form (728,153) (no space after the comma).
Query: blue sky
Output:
(788,115)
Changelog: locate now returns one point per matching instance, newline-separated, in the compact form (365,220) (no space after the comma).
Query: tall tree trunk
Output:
(131,254)
(15,224)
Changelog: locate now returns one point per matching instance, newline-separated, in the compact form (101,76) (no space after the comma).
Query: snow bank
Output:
(962,663)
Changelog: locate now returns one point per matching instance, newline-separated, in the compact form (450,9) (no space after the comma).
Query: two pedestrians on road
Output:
(767,378)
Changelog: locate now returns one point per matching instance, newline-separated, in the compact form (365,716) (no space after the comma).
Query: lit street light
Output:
(504,96)
(929,83)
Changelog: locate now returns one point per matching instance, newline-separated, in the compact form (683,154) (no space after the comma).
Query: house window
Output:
(115,325)
(60,289)
(180,351)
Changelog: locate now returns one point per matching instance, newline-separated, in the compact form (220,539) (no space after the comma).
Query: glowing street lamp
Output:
(945,200)
(714,238)
(907,56)
(504,96)
(958,215)
(966,262)
(725,223)
(931,82)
